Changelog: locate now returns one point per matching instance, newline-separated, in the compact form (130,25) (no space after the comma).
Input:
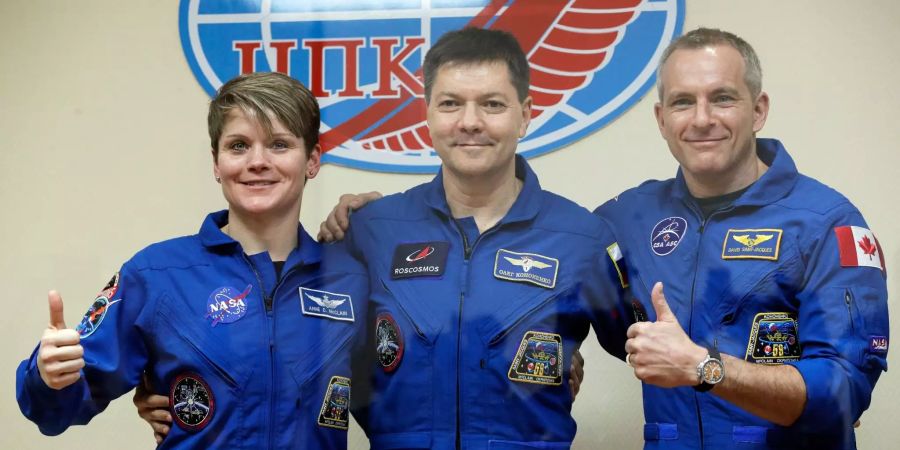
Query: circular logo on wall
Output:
(590,61)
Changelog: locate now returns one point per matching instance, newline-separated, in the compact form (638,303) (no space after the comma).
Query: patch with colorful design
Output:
(388,342)
(539,359)
(97,311)
(335,412)
(773,338)
(191,401)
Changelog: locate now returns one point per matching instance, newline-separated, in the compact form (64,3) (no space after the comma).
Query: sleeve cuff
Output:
(829,396)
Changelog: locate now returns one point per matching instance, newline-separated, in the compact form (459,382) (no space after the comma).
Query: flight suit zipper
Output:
(268,304)
(467,255)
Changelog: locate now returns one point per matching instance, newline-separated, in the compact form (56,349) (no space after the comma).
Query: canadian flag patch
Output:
(858,247)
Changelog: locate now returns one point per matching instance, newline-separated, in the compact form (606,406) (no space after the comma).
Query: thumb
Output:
(660,305)
(56,311)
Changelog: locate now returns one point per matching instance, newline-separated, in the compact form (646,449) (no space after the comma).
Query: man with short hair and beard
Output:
(778,326)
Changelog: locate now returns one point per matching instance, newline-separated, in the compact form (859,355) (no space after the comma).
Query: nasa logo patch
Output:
(667,234)
(227,304)
(192,402)
(590,62)
(388,342)
(878,344)
(335,412)
(97,311)
(539,359)
(773,338)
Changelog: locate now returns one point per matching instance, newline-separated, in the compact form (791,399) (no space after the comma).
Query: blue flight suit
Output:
(249,361)
(471,335)
(763,279)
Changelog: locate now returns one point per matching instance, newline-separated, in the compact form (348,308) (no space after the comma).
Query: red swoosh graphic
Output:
(566,42)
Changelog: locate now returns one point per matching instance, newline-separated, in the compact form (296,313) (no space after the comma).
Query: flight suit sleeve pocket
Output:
(871,325)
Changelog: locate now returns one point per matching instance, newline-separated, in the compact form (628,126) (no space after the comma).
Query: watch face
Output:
(713,372)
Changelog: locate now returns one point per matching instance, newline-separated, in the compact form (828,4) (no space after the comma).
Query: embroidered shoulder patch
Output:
(762,243)
(858,247)
(335,412)
(388,341)
(878,344)
(618,259)
(526,267)
(97,311)
(326,304)
(425,259)
(192,402)
(773,338)
(539,359)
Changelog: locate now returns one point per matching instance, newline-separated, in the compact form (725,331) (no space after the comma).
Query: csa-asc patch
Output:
(336,404)
(97,312)
(539,359)
(389,342)
(773,338)
(666,235)
(191,401)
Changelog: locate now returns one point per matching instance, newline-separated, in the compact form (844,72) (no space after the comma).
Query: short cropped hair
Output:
(266,96)
(710,37)
(476,45)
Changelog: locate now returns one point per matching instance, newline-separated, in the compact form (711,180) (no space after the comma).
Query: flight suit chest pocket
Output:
(205,386)
(183,343)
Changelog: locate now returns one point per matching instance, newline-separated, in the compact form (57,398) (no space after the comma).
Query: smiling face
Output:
(475,119)
(709,118)
(262,174)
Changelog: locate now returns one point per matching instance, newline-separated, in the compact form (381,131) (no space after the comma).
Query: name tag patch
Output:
(526,267)
(331,305)
(773,338)
(762,243)
(424,259)
(335,412)
(539,359)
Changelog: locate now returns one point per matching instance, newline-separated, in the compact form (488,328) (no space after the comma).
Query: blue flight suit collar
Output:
(774,185)
(525,208)
(308,251)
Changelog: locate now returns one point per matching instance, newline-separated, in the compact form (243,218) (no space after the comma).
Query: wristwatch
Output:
(710,371)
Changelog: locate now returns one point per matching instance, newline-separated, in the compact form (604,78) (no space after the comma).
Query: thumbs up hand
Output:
(660,352)
(60,357)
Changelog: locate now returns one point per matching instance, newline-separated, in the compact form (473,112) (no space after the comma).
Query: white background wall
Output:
(103,149)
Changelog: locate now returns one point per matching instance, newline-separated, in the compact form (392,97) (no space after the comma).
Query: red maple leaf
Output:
(867,246)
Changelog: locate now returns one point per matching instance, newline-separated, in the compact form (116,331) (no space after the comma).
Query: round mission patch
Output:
(389,342)
(191,401)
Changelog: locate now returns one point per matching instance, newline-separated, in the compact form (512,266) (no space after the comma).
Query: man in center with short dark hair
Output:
(483,284)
